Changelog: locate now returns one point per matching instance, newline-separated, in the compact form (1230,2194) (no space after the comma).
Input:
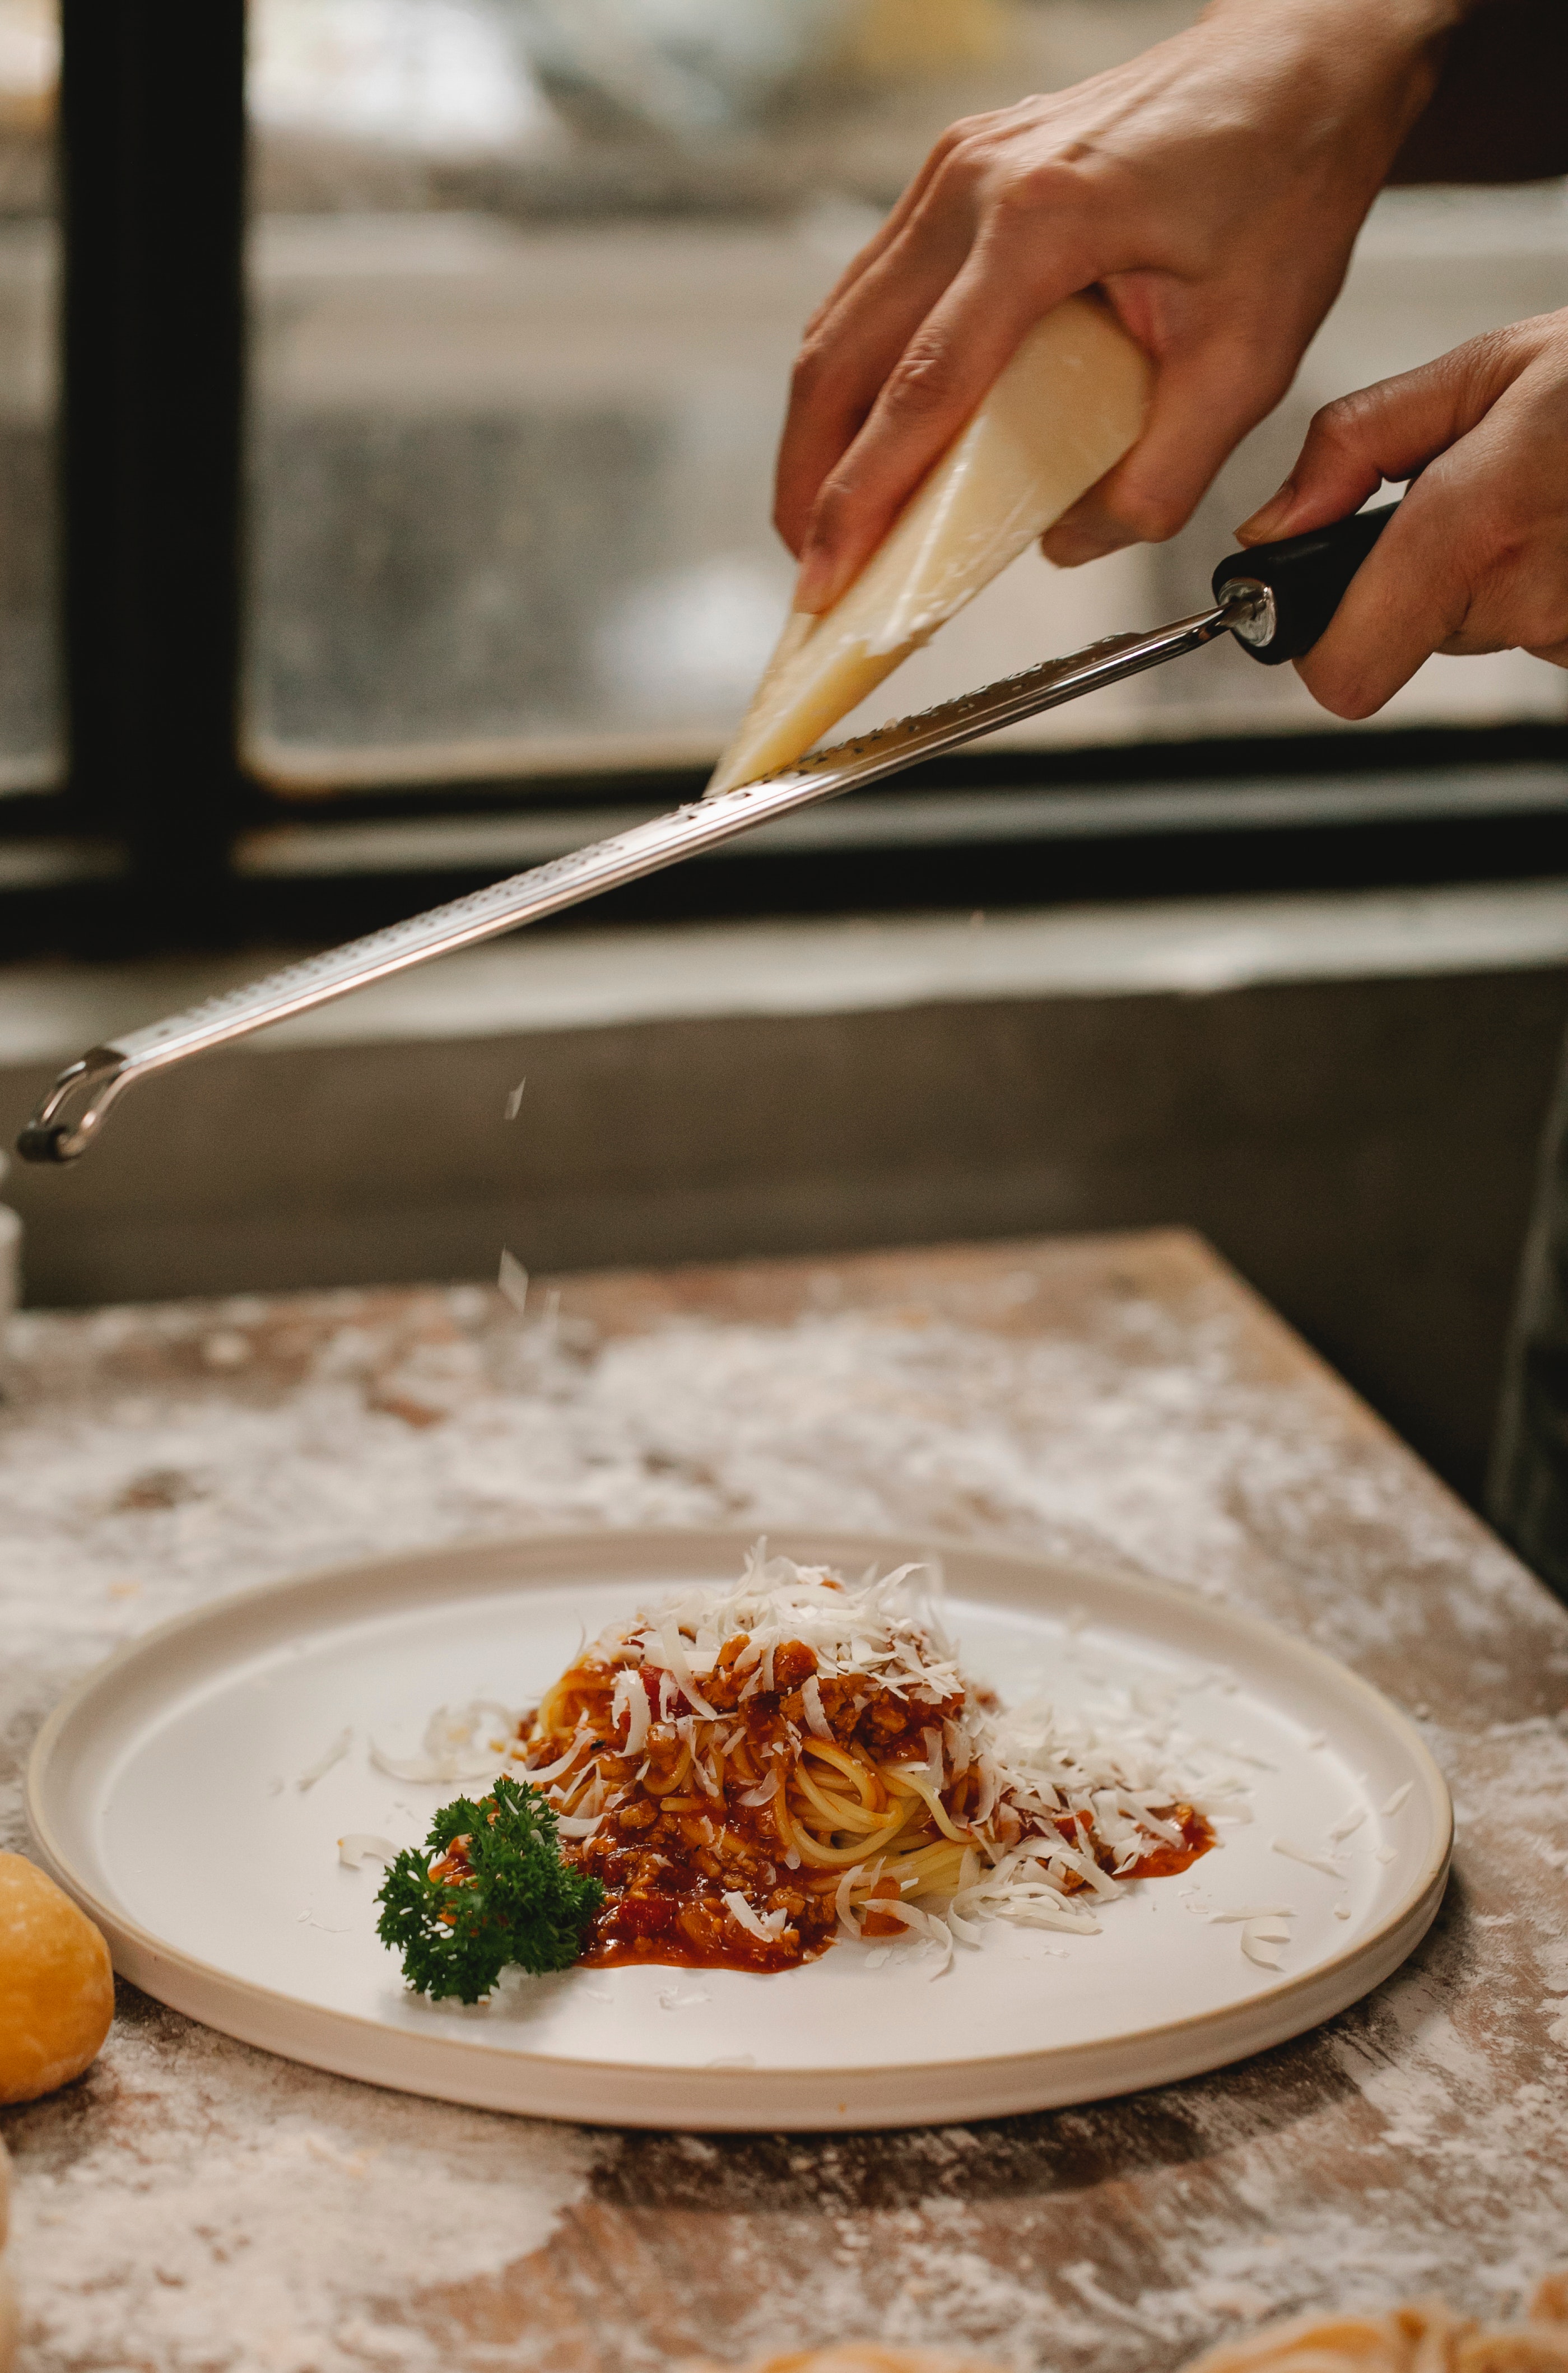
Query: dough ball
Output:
(57,1986)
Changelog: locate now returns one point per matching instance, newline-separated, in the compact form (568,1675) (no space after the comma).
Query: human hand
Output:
(1214,189)
(1476,556)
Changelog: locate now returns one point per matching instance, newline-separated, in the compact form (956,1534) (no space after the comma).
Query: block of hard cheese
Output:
(1064,410)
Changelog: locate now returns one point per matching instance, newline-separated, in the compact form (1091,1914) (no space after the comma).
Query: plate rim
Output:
(1274,2010)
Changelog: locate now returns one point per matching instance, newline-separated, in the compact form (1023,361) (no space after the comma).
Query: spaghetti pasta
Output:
(753,1770)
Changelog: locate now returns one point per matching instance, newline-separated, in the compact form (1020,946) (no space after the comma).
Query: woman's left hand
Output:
(1476,558)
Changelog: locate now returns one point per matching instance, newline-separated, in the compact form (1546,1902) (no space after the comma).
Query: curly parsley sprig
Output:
(517,1902)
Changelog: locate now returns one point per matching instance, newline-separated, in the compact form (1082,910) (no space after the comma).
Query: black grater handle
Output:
(1308,577)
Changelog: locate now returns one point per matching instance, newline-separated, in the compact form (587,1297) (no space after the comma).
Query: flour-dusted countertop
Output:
(194,2204)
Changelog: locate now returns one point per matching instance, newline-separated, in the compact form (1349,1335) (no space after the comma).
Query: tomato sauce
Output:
(667,1850)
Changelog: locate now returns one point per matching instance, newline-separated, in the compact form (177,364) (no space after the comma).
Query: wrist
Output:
(1372,71)
(1355,34)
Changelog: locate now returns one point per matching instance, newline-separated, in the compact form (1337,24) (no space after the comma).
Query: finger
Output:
(1202,407)
(845,360)
(856,335)
(1408,599)
(1386,431)
(958,351)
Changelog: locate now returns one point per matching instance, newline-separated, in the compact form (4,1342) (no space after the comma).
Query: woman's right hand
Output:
(1212,188)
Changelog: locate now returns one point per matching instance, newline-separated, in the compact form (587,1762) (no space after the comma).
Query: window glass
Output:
(30,737)
(527,278)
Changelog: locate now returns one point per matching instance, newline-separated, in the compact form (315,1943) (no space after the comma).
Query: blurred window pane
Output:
(30,736)
(528,276)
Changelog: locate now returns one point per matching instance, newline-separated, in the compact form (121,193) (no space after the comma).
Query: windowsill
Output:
(591,979)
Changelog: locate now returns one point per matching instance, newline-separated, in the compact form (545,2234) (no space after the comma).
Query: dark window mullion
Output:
(152,200)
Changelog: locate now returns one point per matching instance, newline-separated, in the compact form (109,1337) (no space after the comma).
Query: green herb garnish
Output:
(517,1902)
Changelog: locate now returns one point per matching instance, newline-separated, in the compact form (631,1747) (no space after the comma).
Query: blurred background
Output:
(525,280)
(528,279)
(463,556)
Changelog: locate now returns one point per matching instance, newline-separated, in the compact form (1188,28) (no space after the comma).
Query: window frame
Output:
(153,837)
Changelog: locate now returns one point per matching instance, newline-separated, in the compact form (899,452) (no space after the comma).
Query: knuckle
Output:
(1474,374)
(1501,343)
(1357,702)
(1338,691)
(1158,519)
(966,130)
(1152,514)
(1343,425)
(919,383)
(962,157)
(1021,192)
(832,502)
(810,369)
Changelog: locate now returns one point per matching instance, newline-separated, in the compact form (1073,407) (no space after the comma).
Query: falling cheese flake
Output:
(1397,1801)
(1253,1911)
(1347,1828)
(512,1279)
(514,1102)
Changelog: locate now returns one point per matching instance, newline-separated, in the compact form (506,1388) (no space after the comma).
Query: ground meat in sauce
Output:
(665,1871)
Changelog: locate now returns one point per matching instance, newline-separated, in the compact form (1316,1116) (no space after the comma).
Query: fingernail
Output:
(1273,515)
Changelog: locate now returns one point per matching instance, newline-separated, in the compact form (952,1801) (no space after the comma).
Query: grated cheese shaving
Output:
(1330,1869)
(359,1847)
(764,1925)
(323,1763)
(454,1749)
(811,1698)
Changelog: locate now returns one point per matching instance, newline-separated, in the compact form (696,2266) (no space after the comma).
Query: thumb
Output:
(1386,431)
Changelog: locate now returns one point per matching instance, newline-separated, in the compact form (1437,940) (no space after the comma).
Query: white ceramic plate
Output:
(165,1794)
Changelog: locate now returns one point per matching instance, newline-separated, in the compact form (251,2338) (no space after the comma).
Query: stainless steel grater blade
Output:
(73,1112)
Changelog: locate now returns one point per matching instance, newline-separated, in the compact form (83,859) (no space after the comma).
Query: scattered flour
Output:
(240,2213)
(237,2214)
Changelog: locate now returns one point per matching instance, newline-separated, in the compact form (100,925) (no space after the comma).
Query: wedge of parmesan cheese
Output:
(1065,410)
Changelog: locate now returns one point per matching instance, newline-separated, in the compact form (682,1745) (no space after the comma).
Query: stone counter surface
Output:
(195,2207)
